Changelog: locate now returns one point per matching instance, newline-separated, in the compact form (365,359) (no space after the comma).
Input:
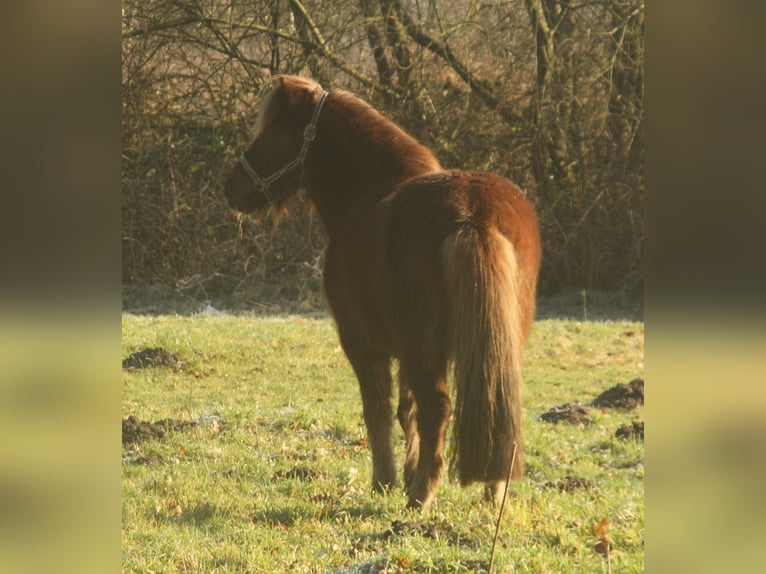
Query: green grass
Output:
(282,485)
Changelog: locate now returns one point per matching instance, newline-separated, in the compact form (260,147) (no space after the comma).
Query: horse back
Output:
(424,213)
(384,275)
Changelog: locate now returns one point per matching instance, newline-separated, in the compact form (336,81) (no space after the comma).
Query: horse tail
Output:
(484,286)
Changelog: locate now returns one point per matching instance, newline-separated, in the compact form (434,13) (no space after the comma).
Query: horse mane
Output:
(266,112)
(387,136)
(383,133)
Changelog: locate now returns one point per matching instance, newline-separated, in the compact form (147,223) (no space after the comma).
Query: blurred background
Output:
(547,93)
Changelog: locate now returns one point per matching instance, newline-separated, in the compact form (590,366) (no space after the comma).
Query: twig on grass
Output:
(500,514)
(604,545)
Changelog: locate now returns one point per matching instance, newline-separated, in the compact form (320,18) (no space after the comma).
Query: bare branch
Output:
(443,50)
(336,60)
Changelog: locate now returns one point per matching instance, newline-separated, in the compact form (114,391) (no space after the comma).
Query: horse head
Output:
(271,168)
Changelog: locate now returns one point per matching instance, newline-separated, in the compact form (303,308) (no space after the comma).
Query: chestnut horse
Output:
(434,268)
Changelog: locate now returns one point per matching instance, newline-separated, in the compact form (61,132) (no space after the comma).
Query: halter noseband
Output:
(309,133)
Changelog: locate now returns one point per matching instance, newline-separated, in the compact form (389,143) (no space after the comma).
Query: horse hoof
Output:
(383,487)
(414,503)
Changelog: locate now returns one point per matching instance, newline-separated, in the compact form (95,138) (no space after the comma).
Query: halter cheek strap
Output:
(309,133)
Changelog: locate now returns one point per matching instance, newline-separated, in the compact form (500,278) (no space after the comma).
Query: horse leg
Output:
(374,375)
(407,415)
(433,408)
(494,491)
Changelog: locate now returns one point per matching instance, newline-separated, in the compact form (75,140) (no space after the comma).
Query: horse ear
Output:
(284,81)
(297,84)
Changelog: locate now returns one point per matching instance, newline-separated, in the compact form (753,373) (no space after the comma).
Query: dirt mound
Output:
(635,430)
(571,483)
(152,357)
(622,396)
(399,528)
(572,413)
(134,430)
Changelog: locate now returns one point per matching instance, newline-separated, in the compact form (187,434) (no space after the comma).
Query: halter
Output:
(309,133)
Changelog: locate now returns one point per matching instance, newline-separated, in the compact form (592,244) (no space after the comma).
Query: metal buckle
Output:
(310,132)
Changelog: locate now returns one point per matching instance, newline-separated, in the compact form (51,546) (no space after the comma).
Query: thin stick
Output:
(608,561)
(502,508)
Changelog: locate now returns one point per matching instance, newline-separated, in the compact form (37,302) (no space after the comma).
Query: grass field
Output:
(275,476)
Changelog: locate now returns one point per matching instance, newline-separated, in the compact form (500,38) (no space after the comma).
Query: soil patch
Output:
(399,528)
(434,531)
(134,430)
(635,430)
(302,473)
(572,413)
(152,357)
(622,396)
(630,464)
(570,484)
